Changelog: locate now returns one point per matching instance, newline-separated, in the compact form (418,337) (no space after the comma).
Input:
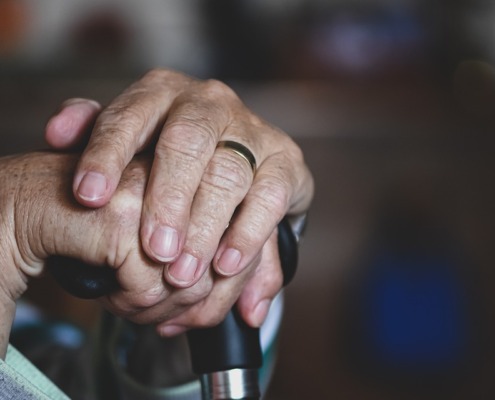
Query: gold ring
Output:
(240,150)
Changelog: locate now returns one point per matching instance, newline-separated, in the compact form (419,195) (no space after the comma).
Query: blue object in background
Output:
(415,313)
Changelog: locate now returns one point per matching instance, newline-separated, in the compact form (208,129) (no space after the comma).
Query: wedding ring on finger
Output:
(241,151)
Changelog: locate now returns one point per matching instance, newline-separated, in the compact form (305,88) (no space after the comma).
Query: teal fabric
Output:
(19,379)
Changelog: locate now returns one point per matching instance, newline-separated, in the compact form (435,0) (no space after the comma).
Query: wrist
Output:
(7,313)
(27,182)
(12,281)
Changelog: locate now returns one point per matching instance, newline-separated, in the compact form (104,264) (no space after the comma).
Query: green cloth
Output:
(21,380)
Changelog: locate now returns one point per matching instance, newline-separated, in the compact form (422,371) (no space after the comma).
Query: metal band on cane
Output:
(240,150)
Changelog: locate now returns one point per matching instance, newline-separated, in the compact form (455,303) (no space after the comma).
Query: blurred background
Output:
(392,103)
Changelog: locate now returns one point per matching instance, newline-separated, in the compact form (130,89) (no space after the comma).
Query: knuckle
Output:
(133,183)
(228,172)
(161,75)
(127,116)
(171,202)
(272,195)
(294,152)
(118,132)
(290,153)
(153,75)
(217,89)
(274,279)
(189,136)
(249,237)
(125,207)
(195,294)
(147,299)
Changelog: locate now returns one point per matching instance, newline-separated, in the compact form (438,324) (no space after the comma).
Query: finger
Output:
(120,131)
(263,207)
(182,153)
(223,186)
(211,310)
(140,287)
(282,185)
(72,122)
(154,302)
(258,294)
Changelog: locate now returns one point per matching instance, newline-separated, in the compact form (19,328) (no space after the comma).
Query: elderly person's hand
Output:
(39,218)
(204,205)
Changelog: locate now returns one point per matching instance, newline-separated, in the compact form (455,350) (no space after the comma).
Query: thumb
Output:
(71,124)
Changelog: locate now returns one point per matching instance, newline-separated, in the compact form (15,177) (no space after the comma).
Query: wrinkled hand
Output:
(39,219)
(194,190)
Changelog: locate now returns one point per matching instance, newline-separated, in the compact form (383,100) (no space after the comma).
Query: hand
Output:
(39,219)
(195,190)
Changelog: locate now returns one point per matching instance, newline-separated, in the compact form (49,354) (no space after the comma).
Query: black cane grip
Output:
(287,250)
(80,279)
(234,344)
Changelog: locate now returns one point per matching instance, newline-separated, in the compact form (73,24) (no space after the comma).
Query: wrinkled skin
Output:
(39,218)
(193,192)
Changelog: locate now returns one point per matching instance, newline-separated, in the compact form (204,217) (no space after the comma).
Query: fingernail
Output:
(184,269)
(92,186)
(164,243)
(228,263)
(260,312)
